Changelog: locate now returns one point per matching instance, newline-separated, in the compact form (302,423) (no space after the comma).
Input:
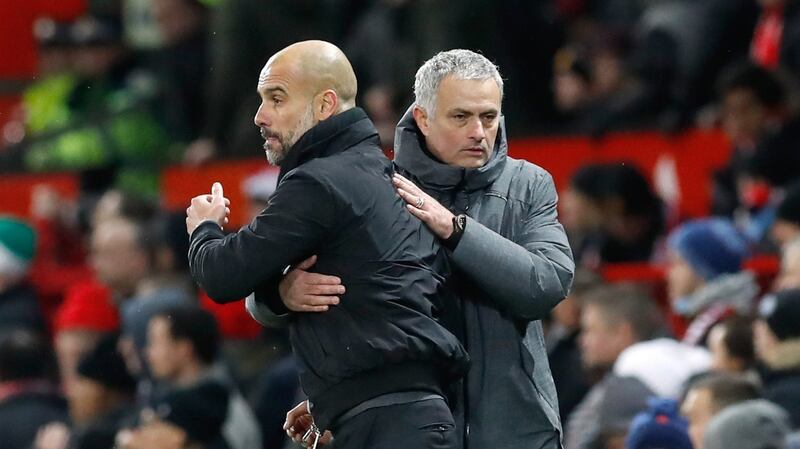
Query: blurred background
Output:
(671,129)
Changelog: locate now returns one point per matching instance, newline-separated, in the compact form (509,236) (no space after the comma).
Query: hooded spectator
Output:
(704,281)
(777,338)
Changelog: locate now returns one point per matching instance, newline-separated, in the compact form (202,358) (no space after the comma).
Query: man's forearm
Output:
(526,281)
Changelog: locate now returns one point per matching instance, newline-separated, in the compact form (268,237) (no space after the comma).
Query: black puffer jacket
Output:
(335,199)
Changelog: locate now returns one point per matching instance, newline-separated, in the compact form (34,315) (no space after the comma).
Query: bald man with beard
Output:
(376,365)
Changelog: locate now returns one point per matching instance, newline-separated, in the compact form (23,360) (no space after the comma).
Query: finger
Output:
(321,279)
(306,308)
(405,183)
(318,300)
(216,189)
(227,202)
(292,415)
(227,211)
(308,263)
(406,196)
(225,220)
(419,213)
(325,289)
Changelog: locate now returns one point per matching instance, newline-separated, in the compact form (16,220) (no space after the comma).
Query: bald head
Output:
(300,86)
(321,66)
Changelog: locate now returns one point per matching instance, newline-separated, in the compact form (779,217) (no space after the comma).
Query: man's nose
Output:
(476,130)
(261,119)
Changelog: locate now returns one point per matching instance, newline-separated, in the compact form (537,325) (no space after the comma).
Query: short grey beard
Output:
(275,158)
(305,123)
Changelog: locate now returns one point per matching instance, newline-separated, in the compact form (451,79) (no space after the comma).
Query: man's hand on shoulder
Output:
(424,207)
(303,291)
(204,208)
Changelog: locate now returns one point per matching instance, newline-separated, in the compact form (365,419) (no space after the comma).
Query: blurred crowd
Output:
(136,84)
(105,341)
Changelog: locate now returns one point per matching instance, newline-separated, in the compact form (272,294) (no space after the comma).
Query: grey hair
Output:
(460,64)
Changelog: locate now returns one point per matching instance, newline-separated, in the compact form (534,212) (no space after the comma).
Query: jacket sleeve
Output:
(526,277)
(296,222)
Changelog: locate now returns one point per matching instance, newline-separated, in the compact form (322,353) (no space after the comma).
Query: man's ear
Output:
(326,105)
(421,117)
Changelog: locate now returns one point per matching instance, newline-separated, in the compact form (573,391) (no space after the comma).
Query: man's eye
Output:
(459,116)
(277,100)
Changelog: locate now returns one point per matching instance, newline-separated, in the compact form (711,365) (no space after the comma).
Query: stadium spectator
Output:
(789,275)
(754,424)
(753,106)
(561,338)
(787,217)
(182,351)
(704,278)
(28,398)
(612,319)
(190,418)
(19,307)
(709,395)
(85,316)
(613,212)
(731,345)
(100,401)
(659,426)
(777,339)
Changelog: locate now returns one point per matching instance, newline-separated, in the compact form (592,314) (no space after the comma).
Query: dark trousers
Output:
(424,424)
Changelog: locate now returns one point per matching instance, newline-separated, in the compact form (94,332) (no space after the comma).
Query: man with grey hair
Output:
(512,263)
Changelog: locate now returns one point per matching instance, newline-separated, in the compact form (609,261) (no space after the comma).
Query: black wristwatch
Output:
(459,223)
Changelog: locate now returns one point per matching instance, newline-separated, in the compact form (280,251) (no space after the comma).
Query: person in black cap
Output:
(100,399)
(188,418)
(777,338)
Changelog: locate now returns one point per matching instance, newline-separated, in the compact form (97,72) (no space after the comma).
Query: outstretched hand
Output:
(423,206)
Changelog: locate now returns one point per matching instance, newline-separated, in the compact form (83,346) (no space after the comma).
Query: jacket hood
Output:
(412,155)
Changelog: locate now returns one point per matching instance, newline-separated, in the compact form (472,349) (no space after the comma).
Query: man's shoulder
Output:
(525,171)
(527,179)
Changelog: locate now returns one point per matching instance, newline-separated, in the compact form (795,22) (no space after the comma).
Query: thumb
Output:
(216,190)
(308,263)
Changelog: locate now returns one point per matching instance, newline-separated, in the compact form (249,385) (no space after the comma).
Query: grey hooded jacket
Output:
(511,267)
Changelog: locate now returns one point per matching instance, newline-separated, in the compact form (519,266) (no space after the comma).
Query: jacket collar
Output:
(411,154)
(329,137)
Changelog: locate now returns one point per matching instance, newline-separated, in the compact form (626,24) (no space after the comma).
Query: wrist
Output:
(459,223)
